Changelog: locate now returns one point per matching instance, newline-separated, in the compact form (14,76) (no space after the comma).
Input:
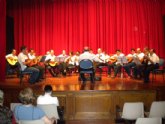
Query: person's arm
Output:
(48,120)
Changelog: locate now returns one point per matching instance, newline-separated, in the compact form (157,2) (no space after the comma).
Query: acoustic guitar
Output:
(112,60)
(129,59)
(53,63)
(12,61)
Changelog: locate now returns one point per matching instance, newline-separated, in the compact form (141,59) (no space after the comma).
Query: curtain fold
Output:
(73,24)
(2,39)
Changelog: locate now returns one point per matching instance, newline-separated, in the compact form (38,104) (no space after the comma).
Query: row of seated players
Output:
(28,110)
(142,63)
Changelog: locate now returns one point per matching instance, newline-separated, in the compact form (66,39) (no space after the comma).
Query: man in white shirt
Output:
(22,57)
(151,63)
(34,63)
(52,63)
(12,62)
(93,58)
(120,61)
(47,98)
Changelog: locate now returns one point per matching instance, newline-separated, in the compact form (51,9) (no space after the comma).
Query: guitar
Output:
(12,61)
(112,60)
(53,63)
(31,62)
(129,59)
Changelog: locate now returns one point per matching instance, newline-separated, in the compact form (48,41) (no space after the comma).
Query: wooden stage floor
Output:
(71,83)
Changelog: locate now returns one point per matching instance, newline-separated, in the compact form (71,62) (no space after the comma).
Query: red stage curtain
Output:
(2,38)
(73,24)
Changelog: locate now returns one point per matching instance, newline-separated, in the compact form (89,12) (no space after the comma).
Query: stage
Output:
(90,103)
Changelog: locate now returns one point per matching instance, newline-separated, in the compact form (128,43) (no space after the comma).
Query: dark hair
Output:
(118,50)
(23,47)
(132,49)
(48,88)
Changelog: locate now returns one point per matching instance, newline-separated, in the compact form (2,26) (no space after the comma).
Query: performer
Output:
(61,59)
(87,55)
(22,57)
(77,58)
(12,62)
(121,60)
(138,69)
(151,61)
(52,63)
(34,63)
(105,59)
(132,61)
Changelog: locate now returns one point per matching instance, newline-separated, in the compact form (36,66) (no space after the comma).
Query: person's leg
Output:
(35,74)
(41,72)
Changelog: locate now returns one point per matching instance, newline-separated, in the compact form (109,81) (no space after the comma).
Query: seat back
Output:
(132,111)
(13,105)
(50,110)
(157,109)
(86,64)
(161,62)
(31,122)
(149,121)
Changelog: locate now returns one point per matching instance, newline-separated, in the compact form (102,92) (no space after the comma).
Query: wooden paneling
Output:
(100,104)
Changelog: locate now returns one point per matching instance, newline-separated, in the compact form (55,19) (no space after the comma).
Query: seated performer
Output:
(61,59)
(34,63)
(120,61)
(151,61)
(70,61)
(52,63)
(87,55)
(23,61)
(138,69)
(132,61)
(105,59)
(12,62)
(77,58)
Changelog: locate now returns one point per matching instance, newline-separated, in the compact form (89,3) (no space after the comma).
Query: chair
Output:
(31,122)
(160,70)
(50,110)
(157,109)
(13,105)
(22,73)
(132,111)
(148,121)
(86,66)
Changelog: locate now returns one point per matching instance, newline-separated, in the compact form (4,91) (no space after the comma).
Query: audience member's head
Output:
(48,89)
(26,96)
(1,97)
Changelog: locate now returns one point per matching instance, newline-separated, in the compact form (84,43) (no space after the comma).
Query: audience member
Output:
(5,113)
(28,110)
(47,98)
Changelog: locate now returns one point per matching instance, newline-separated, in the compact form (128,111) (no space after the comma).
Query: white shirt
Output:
(103,57)
(61,58)
(52,58)
(71,60)
(87,55)
(31,56)
(47,99)
(11,56)
(140,56)
(21,59)
(154,58)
